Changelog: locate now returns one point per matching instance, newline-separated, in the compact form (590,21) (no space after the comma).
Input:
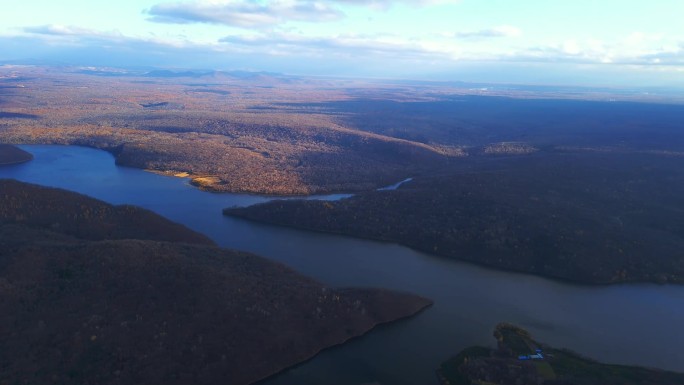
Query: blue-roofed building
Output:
(538,356)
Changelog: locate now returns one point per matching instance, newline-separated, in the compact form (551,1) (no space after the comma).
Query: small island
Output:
(10,154)
(519,359)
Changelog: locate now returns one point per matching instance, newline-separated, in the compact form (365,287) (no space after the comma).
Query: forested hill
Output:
(83,305)
(11,155)
(86,218)
(586,217)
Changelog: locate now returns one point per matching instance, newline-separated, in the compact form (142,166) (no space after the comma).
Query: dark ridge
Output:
(133,311)
(12,155)
(162,106)
(148,105)
(174,74)
(17,115)
(218,92)
(592,218)
(104,73)
(86,218)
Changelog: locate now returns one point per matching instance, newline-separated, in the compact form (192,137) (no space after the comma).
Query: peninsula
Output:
(13,155)
(519,359)
(593,217)
(94,293)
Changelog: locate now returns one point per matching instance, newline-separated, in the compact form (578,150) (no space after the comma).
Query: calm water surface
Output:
(628,324)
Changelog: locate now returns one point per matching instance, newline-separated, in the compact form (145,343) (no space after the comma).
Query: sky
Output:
(563,42)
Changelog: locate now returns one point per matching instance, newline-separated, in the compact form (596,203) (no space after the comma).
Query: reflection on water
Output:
(618,324)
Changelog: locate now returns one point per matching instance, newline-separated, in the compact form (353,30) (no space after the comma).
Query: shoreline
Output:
(426,259)
(225,211)
(352,338)
(569,281)
(385,306)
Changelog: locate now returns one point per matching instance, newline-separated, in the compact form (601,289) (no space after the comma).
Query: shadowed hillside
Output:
(84,217)
(11,155)
(592,217)
(75,309)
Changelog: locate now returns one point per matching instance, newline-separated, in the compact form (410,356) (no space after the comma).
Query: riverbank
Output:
(593,320)
(152,301)
(518,358)
(586,218)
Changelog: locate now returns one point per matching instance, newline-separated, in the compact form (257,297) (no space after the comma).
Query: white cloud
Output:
(386,48)
(386,4)
(56,34)
(571,47)
(61,30)
(252,13)
(593,51)
(500,31)
(243,13)
(341,45)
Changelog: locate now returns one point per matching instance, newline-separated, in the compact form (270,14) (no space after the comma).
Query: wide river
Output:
(629,324)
